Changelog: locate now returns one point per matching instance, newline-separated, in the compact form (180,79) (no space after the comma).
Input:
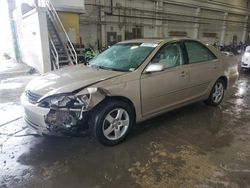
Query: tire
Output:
(111,121)
(217,93)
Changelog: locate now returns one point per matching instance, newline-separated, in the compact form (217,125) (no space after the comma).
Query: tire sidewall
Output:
(100,116)
(210,100)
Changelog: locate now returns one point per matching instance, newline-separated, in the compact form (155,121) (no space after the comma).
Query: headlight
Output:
(66,100)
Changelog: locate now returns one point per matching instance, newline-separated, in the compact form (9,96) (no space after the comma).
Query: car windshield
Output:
(125,57)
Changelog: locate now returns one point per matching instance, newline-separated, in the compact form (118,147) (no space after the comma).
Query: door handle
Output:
(215,64)
(183,73)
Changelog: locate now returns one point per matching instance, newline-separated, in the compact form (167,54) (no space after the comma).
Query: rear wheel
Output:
(217,93)
(111,122)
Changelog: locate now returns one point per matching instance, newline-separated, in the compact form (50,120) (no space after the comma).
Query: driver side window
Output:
(169,56)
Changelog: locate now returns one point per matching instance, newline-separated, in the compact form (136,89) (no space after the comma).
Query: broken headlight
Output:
(66,101)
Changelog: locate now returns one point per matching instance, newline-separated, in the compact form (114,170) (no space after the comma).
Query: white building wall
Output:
(63,5)
(193,17)
(89,34)
(33,39)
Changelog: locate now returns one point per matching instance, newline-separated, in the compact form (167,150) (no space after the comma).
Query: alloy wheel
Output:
(116,124)
(218,92)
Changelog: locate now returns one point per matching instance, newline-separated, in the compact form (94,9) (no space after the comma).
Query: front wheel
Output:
(217,93)
(111,122)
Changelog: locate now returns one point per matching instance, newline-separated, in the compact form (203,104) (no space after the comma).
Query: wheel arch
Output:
(124,99)
(97,113)
(225,80)
(118,98)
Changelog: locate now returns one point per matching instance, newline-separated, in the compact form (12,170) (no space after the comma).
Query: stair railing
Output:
(57,21)
(55,55)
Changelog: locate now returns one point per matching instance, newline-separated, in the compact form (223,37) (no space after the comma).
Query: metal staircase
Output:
(62,51)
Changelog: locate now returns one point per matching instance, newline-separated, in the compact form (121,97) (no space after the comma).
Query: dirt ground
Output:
(195,146)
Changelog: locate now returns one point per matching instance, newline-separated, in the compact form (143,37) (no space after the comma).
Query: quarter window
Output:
(198,52)
(169,56)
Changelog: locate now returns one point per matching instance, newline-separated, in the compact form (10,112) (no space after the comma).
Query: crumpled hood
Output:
(69,79)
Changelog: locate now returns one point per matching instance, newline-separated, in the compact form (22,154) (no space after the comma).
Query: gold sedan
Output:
(128,83)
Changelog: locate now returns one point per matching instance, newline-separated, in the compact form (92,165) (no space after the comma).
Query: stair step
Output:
(64,62)
(53,34)
(63,55)
(51,29)
(59,44)
(56,39)
(63,59)
(61,51)
(50,26)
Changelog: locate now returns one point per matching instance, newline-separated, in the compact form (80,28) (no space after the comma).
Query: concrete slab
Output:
(195,146)
(8,67)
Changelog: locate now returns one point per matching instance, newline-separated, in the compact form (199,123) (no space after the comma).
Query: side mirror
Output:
(156,67)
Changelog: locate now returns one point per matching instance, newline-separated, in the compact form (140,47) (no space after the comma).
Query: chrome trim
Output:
(33,125)
(32,97)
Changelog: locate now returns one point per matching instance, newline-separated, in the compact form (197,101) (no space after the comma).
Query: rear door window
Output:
(198,52)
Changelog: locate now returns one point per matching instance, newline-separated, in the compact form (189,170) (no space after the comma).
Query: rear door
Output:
(161,90)
(202,68)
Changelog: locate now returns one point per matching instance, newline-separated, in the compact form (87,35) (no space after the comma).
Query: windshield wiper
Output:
(106,68)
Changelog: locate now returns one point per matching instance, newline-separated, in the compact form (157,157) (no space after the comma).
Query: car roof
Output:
(156,40)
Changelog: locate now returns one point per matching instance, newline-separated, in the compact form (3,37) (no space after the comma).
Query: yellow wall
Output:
(71,20)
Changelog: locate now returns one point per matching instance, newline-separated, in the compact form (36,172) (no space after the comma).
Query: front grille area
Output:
(32,97)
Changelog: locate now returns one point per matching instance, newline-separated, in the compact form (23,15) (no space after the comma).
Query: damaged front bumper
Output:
(54,121)
(66,121)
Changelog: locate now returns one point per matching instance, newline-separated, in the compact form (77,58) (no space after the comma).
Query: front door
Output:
(161,90)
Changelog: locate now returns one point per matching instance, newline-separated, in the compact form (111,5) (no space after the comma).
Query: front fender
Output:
(96,95)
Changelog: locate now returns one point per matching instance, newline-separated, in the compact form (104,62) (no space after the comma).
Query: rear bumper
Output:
(245,65)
